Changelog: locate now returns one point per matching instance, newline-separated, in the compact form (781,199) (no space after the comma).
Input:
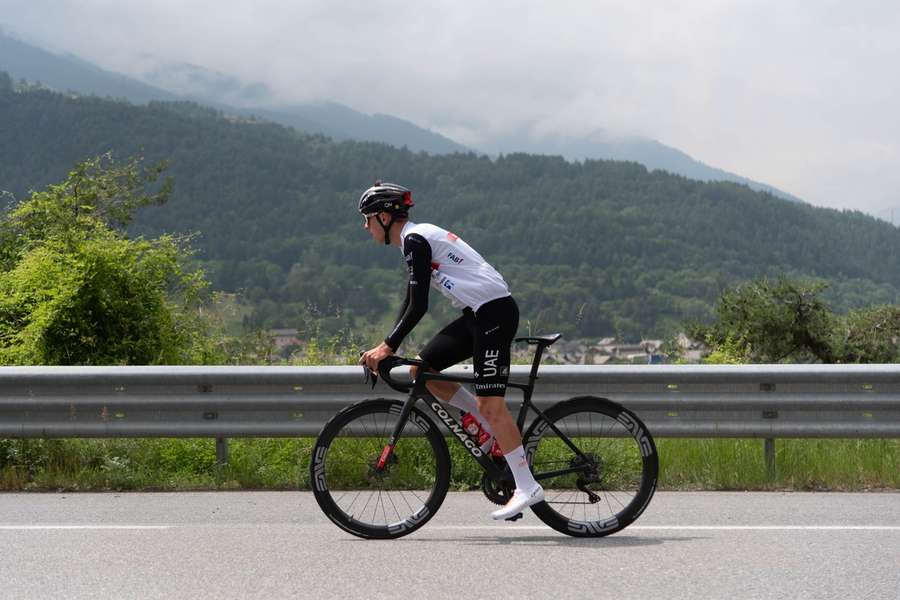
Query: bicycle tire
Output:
(409,492)
(626,465)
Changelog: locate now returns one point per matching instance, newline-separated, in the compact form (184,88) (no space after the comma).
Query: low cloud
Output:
(799,95)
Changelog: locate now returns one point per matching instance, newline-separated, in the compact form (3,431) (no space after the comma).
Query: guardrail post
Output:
(221,451)
(769,450)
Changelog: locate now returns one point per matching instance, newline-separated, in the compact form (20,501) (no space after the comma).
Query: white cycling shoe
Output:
(519,502)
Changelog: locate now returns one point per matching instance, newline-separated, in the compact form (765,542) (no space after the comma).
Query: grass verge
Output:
(282,464)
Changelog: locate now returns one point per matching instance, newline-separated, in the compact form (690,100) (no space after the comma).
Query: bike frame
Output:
(420,391)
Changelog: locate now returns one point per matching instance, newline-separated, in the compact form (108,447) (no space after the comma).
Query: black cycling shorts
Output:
(486,336)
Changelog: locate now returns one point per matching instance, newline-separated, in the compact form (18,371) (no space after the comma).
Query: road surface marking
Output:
(692,527)
(510,527)
(81,527)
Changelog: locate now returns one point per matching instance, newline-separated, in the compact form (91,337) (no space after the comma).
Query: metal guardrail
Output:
(746,401)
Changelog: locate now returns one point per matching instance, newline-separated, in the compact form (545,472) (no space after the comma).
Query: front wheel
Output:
(371,497)
(607,484)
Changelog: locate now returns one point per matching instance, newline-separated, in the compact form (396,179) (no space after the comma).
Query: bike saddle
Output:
(544,340)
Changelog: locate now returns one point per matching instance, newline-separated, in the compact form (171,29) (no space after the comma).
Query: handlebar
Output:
(384,371)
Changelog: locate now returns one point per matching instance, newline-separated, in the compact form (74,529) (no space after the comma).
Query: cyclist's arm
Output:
(403,306)
(418,262)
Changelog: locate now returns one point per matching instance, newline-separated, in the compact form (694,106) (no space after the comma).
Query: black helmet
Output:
(386,197)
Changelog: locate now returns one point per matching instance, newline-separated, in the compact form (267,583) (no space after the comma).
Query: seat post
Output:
(537,360)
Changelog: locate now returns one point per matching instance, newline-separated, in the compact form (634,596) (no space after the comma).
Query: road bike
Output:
(380,468)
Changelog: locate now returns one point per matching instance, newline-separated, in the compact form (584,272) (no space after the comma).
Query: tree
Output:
(871,335)
(74,290)
(787,321)
(775,321)
(99,194)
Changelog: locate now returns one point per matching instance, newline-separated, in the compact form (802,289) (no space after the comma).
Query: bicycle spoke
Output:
(614,497)
(394,506)
(408,505)
(606,498)
(363,511)
(355,498)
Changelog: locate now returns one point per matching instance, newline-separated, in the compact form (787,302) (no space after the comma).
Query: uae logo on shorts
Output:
(490,363)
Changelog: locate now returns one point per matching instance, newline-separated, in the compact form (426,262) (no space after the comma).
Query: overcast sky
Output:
(804,96)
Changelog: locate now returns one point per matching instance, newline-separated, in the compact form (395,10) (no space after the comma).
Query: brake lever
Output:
(369,375)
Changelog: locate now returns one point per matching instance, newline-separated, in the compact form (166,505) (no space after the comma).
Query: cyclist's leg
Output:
(495,327)
(496,324)
(453,344)
(450,346)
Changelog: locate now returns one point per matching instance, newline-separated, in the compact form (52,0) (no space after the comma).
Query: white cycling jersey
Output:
(457,270)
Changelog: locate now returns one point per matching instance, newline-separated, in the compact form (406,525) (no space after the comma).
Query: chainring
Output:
(497,492)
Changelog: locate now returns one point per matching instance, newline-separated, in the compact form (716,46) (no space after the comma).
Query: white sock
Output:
(521,473)
(464,400)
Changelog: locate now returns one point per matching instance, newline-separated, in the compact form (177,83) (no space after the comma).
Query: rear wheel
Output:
(379,501)
(609,484)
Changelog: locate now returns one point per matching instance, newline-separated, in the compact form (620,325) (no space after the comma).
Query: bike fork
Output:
(395,435)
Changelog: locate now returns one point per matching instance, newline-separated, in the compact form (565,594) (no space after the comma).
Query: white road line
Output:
(506,527)
(770,527)
(686,527)
(80,527)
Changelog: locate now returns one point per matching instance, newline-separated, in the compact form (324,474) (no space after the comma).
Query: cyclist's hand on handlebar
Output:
(371,358)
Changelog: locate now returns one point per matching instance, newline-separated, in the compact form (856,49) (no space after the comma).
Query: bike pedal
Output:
(515,517)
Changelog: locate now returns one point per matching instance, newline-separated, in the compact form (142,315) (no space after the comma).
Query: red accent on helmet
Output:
(452,236)
(407,198)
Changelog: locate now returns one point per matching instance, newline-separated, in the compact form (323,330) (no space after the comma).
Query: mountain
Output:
(67,72)
(180,81)
(589,248)
(167,80)
(341,123)
(329,118)
(602,144)
(890,214)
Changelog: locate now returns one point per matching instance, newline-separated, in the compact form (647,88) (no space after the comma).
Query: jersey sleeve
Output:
(403,306)
(418,263)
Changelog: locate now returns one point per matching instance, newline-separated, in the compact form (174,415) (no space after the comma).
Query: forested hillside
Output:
(590,248)
(179,81)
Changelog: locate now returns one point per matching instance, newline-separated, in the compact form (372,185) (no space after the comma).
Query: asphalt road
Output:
(278,545)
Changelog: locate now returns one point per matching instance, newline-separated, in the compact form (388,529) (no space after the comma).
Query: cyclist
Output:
(484,332)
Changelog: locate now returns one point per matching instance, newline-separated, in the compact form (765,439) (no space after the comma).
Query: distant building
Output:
(692,351)
(283,338)
(608,351)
